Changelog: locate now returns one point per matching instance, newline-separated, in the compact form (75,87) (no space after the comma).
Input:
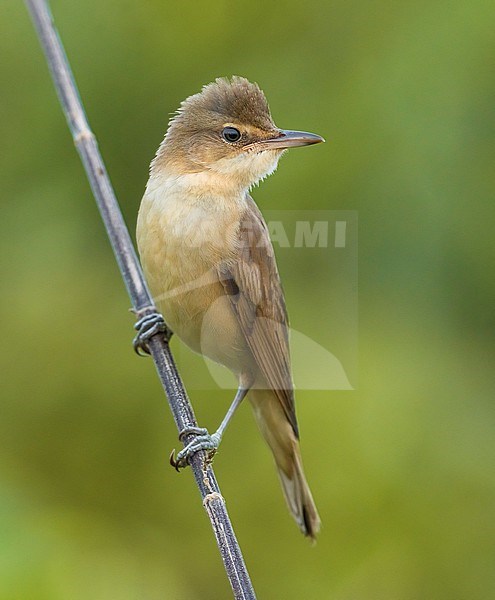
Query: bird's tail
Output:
(284,445)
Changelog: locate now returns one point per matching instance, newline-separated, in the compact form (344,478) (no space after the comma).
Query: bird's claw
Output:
(202,441)
(197,431)
(147,327)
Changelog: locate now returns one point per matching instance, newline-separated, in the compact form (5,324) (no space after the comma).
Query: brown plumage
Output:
(260,307)
(210,264)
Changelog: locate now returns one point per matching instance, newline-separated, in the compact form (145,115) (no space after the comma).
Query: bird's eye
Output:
(231,134)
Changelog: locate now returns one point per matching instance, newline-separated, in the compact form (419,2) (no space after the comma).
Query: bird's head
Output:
(227,132)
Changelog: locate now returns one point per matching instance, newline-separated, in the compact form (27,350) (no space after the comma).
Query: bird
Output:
(211,268)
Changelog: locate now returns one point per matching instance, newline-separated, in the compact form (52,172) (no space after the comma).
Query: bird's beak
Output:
(290,139)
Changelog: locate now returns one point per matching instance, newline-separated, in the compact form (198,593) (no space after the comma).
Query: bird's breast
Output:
(182,238)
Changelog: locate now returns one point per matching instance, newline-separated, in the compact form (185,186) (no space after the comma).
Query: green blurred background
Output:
(402,468)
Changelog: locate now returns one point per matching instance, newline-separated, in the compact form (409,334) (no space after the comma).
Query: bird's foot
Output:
(202,441)
(146,328)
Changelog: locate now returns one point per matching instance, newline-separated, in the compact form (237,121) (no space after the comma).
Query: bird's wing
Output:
(253,285)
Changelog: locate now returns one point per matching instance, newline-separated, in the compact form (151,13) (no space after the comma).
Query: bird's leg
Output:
(147,327)
(203,440)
